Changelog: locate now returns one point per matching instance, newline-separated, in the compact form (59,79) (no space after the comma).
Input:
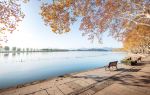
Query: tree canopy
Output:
(118,17)
(98,16)
(138,39)
(10,15)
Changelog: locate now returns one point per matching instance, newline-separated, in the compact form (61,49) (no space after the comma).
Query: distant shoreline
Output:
(52,51)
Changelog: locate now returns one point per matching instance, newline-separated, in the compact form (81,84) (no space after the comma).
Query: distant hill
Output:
(108,48)
(92,49)
(118,50)
(114,49)
(84,49)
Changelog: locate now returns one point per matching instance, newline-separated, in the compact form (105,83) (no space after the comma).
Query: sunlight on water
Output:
(27,67)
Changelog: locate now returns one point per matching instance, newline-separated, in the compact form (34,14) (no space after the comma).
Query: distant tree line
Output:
(7,49)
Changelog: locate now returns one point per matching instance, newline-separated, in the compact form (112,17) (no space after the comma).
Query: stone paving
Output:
(135,83)
(92,82)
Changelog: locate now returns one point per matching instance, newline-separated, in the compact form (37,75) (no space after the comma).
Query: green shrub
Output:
(125,61)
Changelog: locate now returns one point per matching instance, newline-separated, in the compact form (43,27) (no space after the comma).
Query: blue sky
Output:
(33,33)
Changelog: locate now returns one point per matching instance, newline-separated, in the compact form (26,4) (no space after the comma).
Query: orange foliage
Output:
(116,16)
(97,16)
(138,39)
(10,15)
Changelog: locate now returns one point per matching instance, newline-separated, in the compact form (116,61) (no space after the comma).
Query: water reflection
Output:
(18,53)
(28,67)
(13,54)
(6,54)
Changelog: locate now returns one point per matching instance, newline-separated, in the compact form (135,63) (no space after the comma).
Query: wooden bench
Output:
(111,64)
(139,59)
(136,62)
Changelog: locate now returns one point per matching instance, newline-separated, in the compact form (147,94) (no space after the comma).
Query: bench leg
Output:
(116,67)
(109,69)
(105,68)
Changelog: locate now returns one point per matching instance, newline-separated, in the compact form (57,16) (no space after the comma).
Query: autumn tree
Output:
(138,39)
(118,17)
(10,15)
(98,16)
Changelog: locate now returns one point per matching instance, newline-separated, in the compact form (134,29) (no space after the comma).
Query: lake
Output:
(27,67)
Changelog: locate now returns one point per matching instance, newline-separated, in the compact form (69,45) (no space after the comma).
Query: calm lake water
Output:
(27,67)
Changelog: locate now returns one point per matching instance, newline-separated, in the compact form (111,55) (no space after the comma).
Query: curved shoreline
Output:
(44,80)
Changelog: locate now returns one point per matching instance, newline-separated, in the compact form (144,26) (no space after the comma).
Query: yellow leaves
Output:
(67,30)
(56,16)
(138,37)
(11,26)
(1,8)
(26,1)
(54,26)
(97,16)
(10,16)
(54,7)
(90,26)
(83,13)
(54,30)
(75,13)
(50,17)
(97,2)
(68,2)
(60,6)
(87,3)
(66,17)
(111,6)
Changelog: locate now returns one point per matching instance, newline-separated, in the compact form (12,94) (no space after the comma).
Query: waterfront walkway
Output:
(127,80)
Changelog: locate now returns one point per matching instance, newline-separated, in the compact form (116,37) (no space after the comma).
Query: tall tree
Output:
(138,40)
(10,15)
(97,16)
(13,49)
(6,48)
(18,49)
